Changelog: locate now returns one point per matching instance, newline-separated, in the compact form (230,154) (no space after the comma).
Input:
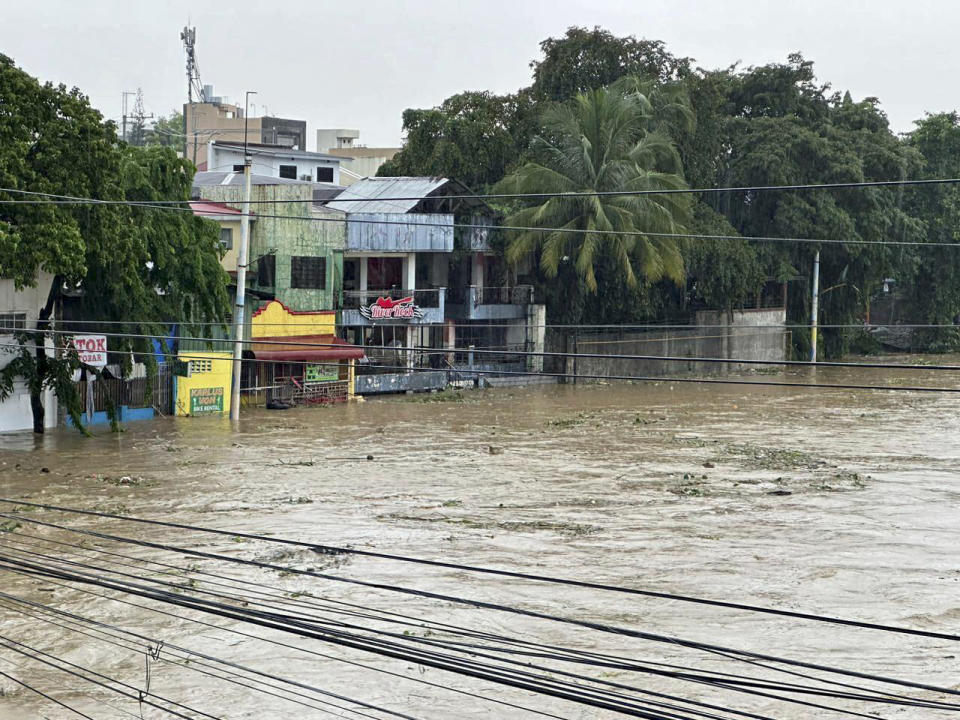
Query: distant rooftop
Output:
(275,150)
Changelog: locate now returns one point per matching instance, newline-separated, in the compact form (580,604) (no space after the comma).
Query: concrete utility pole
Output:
(814,307)
(241,276)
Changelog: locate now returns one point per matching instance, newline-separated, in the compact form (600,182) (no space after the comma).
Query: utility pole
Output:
(814,307)
(123,133)
(241,273)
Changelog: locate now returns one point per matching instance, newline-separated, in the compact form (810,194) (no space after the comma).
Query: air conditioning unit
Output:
(306,177)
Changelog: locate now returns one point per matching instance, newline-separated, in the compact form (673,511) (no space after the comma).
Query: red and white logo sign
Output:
(389,309)
(92,349)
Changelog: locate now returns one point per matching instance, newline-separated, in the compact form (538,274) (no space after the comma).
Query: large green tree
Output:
(601,141)
(473,136)
(933,291)
(143,266)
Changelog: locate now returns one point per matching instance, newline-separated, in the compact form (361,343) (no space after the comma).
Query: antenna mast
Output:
(189,37)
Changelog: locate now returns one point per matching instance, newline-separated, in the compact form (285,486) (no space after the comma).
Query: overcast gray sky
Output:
(360,64)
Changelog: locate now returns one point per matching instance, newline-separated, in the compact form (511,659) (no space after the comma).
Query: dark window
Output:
(13,321)
(267,271)
(238,168)
(324,174)
(226,238)
(308,272)
(288,171)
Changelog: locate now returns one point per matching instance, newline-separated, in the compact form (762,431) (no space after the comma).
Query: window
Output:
(201,366)
(13,321)
(267,271)
(308,272)
(226,238)
(324,174)
(288,171)
(238,168)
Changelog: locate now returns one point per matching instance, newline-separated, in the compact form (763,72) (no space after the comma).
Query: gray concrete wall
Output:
(744,334)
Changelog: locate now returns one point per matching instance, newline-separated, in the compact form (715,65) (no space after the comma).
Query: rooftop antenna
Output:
(189,37)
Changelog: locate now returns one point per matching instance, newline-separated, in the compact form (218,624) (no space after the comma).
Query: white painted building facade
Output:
(19,310)
(273,161)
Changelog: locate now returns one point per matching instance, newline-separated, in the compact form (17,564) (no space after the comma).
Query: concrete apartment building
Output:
(220,120)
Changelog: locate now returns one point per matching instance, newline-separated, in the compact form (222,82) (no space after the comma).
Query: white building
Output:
(275,161)
(20,310)
(359,161)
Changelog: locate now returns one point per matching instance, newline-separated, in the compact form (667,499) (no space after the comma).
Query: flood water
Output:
(835,502)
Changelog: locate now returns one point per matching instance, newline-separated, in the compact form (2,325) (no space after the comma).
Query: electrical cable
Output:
(499,607)
(44,695)
(444,627)
(339,550)
(582,376)
(432,660)
(606,193)
(137,694)
(293,342)
(508,228)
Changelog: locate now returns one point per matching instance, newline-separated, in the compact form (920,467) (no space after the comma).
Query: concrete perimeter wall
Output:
(741,334)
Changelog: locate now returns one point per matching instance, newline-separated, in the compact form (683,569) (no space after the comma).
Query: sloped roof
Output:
(205,178)
(363,196)
(209,208)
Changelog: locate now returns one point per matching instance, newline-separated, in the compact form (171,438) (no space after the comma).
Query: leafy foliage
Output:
(602,141)
(140,265)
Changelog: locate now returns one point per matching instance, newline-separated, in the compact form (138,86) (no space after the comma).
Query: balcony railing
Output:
(475,295)
(428,298)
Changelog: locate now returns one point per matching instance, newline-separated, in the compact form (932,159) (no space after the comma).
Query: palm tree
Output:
(607,139)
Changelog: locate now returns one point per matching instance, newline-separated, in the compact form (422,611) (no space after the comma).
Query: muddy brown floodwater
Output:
(827,501)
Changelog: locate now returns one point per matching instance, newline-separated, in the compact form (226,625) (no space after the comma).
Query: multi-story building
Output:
(419,271)
(293,273)
(218,119)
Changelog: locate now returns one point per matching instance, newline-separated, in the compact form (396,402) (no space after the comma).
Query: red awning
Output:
(305,348)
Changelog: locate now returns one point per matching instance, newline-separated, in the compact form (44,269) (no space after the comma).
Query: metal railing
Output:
(478,295)
(426,298)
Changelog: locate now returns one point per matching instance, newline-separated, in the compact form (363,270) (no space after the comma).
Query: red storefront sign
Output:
(389,309)
(91,349)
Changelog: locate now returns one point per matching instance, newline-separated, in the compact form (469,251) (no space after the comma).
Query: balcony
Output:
(386,307)
(489,303)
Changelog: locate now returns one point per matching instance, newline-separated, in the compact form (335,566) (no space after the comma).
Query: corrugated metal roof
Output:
(371,189)
(276,150)
(202,179)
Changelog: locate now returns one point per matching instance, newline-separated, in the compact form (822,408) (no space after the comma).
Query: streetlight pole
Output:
(241,273)
(814,307)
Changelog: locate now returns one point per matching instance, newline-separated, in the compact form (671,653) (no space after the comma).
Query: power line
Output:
(292,341)
(44,695)
(617,630)
(519,679)
(612,193)
(510,228)
(576,375)
(338,550)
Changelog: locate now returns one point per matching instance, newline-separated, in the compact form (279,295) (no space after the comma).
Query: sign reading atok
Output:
(92,349)
(389,309)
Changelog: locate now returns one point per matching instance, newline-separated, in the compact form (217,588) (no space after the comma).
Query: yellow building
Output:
(298,357)
(205,390)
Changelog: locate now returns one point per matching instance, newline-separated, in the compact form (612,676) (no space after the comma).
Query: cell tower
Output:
(189,37)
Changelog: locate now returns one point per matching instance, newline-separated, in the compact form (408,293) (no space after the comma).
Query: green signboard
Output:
(321,373)
(206,400)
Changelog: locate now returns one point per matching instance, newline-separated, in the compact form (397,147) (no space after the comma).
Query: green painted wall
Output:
(281,226)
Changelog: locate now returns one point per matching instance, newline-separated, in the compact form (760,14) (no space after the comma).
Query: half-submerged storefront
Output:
(295,358)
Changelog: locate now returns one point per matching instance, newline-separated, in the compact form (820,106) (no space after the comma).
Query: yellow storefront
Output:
(205,390)
(298,356)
